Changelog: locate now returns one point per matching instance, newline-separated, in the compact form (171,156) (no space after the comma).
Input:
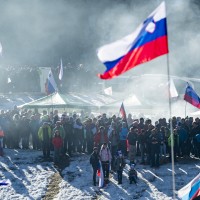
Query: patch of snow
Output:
(28,177)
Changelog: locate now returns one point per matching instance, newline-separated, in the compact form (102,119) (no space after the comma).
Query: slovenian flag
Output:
(51,84)
(146,43)
(191,96)
(122,111)
(191,190)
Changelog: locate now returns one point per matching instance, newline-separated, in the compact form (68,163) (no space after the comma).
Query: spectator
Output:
(105,158)
(1,141)
(132,174)
(119,165)
(132,138)
(101,137)
(155,148)
(123,136)
(57,143)
(44,134)
(94,161)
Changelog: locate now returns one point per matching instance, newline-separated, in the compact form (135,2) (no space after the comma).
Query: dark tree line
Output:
(27,79)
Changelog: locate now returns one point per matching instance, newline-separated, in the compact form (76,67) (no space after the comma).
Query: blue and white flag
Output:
(51,84)
(101,177)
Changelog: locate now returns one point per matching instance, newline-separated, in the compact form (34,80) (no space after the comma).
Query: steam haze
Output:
(40,33)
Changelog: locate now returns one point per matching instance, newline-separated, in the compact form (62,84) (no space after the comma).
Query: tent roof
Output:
(130,101)
(69,100)
(196,113)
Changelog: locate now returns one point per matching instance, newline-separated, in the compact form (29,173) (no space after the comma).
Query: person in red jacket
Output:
(57,143)
(1,141)
(100,138)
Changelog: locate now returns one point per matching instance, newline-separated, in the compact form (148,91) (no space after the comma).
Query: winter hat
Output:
(120,153)
(95,148)
(132,166)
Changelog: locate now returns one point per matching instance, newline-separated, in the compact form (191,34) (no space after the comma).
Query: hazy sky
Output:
(40,32)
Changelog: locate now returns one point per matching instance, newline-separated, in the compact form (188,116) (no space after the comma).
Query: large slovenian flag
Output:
(191,96)
(146,43)
(191,190)
(51,84)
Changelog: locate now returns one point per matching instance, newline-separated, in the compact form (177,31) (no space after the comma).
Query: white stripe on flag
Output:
(101,178)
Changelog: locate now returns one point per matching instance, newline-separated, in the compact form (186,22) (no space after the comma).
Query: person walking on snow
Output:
(105,158)
(120,164)
(94,161)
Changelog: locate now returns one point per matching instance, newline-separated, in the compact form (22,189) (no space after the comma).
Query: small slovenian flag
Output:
(191,190)
(51,84)
(146,43)
(191,96)
(122,111)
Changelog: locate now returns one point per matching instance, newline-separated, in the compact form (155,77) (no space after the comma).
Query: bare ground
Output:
(56,178)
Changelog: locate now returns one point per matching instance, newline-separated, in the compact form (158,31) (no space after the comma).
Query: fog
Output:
(40,33)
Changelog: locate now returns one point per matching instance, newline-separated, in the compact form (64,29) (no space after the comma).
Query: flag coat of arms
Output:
(147,42)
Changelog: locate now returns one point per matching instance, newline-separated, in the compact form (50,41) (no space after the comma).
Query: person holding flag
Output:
(94,161)
(122,137)
(105,158)
(124,131)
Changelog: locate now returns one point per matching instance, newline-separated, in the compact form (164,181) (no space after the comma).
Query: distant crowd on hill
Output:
(27,79)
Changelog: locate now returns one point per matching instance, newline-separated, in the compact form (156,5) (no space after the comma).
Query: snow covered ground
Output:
(29,177)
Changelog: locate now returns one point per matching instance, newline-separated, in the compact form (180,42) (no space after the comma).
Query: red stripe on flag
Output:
(191,100)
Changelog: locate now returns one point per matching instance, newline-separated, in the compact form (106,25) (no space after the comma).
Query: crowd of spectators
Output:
(138,140)
(80,134)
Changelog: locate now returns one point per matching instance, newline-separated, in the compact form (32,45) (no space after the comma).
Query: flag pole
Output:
(170,117)
(120,107)
(171,129)
(185,108)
